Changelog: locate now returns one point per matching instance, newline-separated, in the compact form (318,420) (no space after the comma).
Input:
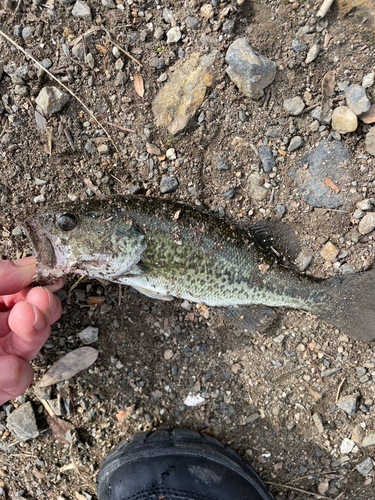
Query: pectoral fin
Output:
(253,318)
(153,293)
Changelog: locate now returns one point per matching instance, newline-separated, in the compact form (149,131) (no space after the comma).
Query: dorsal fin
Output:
(275,238)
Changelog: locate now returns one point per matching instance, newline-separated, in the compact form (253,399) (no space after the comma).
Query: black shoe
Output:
(177,464)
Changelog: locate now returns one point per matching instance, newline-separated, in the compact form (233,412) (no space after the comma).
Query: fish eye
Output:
(67,222)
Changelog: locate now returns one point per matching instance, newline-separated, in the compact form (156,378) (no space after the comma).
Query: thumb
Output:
(16,275)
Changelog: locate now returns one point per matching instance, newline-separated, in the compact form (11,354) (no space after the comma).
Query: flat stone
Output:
(90,147)
(312,53)
(257,191)
(346,446)
(152,149)
(303,261)
(356,99)
(168,354)
(267,159)
(174,35)
(22,423)
(79,52)
(159,33)
(358,434)
(368,80)
(168,16)
(299,46)
(364,205)
(110,4)
(348,404)
(294,105)
(344,120)
(370,141)
(168,184)
(89,335)
(193,400)
(51,100)
(295,143)
(318,421)
(365,467)
(329,251)
(82,10)
(207,11)
(91,61)
(369,440)
(220,163)
(179,99)
(367,224)
(340,461)
(369,116)
(250,72)
(329,159)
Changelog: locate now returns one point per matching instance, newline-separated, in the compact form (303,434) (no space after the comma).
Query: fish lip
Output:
(41,244)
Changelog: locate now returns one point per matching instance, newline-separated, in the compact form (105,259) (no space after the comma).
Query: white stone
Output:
(174,35)
(346,446)
(171,154)
(89,335)
(368,80)
(193,400)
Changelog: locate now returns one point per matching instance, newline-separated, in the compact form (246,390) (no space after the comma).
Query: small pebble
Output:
(207,11)
(192,22)
(159,33)
(367,224)
(168,184)
(228,27)
(346,446)
(364,205)
(356,99)
(312,53)
(89,335)
(171,154)
(368,80)
(365,467)
(318,421)
(344,120)
(368,440)
(329,251)
(174,35)
(370,141)
(168,354)
(358,214)
(358,434)
(295,143)
(40,199)
(294,105)
(299,46)
(267,159)
(82,10)
(348,404)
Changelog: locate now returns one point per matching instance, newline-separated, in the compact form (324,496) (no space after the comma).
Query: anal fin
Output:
(253,318)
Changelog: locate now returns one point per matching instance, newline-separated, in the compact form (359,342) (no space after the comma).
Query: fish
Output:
(166,249)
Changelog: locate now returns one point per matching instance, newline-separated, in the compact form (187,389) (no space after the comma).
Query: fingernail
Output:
(26,261)
(52,302)
(39,321)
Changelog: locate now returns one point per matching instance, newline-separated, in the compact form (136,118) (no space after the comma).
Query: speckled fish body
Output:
(166,249)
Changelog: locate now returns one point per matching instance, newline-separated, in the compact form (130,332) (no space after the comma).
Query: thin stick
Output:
(326,5)
(339,389)
(26,54)
(117,179)
(124,51)
(317,495)
(119,126)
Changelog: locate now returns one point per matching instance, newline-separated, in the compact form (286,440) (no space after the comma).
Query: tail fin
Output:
(350,305)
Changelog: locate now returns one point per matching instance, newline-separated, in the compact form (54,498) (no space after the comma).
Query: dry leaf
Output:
(69,365)
(315,394)
(101,49)
(95,300)
(138,84)
(331,184)
(125,413)
(328,88)
(59,428)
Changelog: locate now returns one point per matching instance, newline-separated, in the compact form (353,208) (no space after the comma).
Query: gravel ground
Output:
(296,402)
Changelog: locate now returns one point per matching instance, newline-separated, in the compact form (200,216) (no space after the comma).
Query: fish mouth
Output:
(42,247)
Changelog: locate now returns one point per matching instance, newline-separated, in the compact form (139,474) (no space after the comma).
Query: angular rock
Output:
(250,72)
(51,100)
(318,421)
(312,53)
(295,143)
(152,149)
(22,423)
(370,141)
(267,159)
(367,224)
(82,10)
(329,251)
(299,46)
(168,184)
(369,440)
(346,446)
(368,80)
(89,335)
(220,163)
(179,99)
(257,191)
(356,99)
(329,372)
(364,204)
(228,27)
(294,105)
(344,120)
(365,467)
(358,434)
(328,159)
(159,33)
(348,404)
(174,35)
(168,16)
(110,4)
(192,22)
(79,52)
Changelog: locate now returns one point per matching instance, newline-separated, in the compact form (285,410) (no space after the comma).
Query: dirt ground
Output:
(261,391)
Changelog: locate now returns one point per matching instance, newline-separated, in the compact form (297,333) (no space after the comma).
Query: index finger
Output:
(16,275)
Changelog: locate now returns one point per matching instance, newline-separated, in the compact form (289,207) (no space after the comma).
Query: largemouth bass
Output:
(166,249)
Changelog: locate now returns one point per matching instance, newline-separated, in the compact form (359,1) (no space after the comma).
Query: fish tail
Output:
(350,304)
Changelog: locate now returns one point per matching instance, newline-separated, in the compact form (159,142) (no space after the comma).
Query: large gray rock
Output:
(22,423)
(250,72)
(51,100)
(327,160)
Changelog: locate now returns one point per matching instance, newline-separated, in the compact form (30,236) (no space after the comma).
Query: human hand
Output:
(25,318)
